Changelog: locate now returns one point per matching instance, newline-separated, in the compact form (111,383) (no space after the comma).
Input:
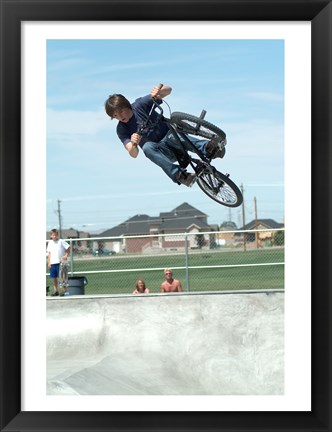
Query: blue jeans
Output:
(162,153)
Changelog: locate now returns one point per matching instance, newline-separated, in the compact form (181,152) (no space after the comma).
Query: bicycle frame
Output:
(197,164)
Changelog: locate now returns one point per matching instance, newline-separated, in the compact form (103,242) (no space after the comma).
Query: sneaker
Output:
(187,179)
(215,149)
(56,293)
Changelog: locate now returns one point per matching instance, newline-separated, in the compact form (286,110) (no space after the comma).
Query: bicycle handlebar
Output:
(155,106)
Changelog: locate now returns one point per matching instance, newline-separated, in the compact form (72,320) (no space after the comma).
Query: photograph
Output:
(233,262)
(168,179)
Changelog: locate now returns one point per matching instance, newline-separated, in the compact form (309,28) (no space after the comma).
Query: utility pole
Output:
(243,220)
(256,222)
(60,218)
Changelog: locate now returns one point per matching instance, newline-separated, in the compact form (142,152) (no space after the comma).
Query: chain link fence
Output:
(203,261)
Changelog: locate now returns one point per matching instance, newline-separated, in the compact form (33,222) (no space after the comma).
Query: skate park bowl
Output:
(215,343)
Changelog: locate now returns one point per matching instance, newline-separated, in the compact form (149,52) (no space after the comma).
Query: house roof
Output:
(183,223)
(138,224)
(180,218)
(268,223)
(186,210)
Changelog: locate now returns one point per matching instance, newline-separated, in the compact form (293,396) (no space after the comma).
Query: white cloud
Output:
(70,122)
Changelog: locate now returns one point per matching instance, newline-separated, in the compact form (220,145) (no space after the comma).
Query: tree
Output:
(101,246)
(213,242)
(279,238)
(200,240)
(229,225)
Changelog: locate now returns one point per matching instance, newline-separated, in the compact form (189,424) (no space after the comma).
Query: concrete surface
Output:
(227,343)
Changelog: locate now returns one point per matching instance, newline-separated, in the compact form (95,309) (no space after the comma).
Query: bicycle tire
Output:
(219,187)
(197,126)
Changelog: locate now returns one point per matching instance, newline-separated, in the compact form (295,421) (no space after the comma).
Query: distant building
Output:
(183,219)
(263,238)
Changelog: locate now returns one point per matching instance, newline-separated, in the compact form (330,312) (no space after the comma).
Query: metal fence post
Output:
(187,262)
(71,257)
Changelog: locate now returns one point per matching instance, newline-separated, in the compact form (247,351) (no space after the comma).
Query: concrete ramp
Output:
(226,343)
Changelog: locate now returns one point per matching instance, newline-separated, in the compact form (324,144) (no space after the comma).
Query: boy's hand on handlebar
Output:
(160,91)
(155,91)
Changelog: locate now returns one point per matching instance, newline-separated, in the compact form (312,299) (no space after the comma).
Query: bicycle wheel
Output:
(196,126)
(219,187)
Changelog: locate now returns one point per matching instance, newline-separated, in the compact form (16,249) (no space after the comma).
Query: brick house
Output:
(167,231)
(261,239)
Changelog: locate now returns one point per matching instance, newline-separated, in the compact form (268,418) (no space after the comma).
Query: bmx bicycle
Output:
(213,183)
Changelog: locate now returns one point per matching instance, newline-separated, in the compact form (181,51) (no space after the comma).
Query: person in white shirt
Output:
(57,252)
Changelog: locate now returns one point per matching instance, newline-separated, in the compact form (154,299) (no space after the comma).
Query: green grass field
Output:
(125,270)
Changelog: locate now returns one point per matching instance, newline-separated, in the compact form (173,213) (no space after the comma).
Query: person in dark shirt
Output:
(157,143)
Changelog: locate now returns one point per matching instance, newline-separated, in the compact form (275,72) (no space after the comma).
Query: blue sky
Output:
(239,82)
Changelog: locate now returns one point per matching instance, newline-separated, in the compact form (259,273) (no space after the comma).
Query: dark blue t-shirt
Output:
(141,109)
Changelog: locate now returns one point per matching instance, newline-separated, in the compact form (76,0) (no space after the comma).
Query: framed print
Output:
(21,182)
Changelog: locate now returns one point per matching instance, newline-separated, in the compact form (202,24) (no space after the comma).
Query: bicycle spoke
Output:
(220,188)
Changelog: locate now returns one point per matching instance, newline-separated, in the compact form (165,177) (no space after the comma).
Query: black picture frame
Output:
(319,13)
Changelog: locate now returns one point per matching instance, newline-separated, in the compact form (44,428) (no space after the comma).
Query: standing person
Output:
(140,287)
(170,284)
(57,252)
(158,144)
